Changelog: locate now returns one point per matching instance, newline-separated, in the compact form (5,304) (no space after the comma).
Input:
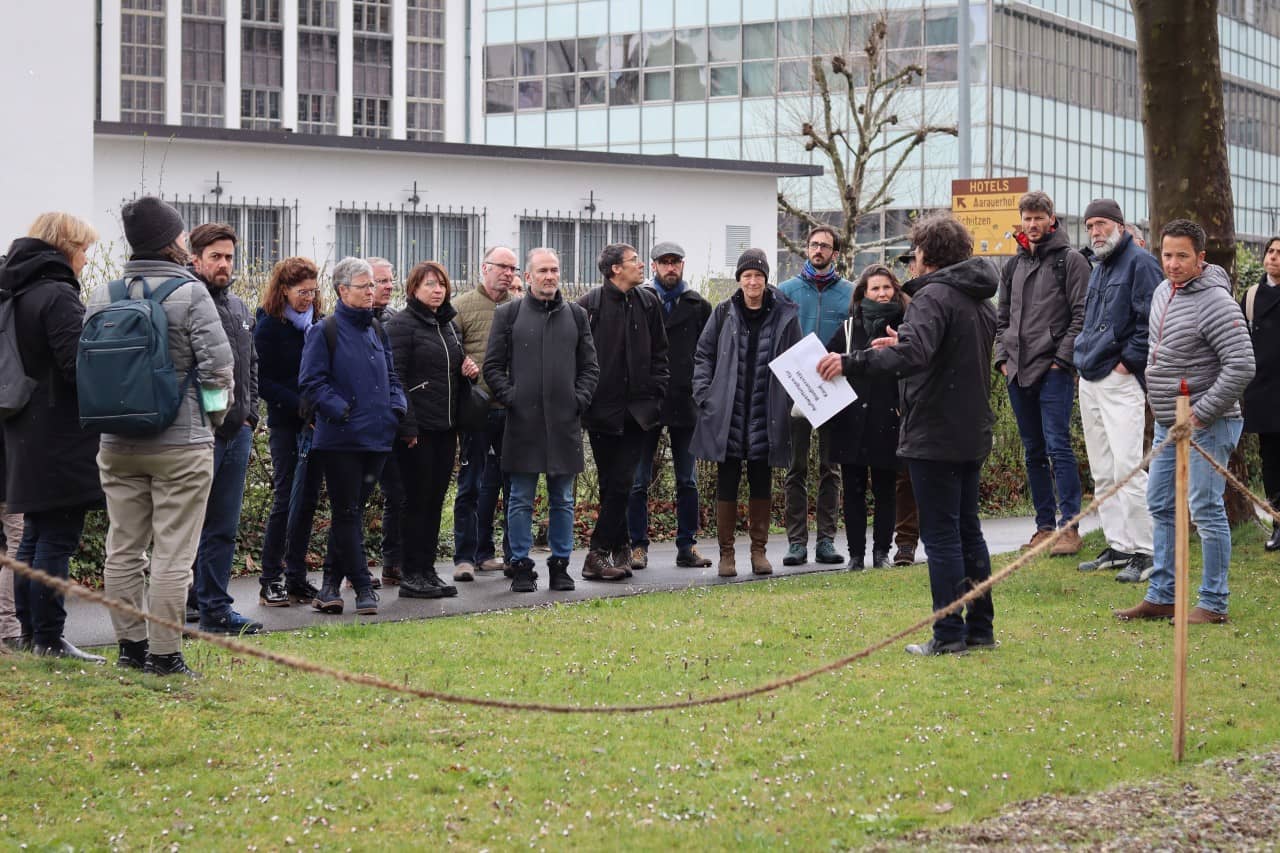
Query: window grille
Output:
(579,239)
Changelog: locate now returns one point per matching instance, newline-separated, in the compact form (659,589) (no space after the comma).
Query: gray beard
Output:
(1104,251)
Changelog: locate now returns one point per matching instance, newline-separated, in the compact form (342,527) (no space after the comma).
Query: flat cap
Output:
(666,248)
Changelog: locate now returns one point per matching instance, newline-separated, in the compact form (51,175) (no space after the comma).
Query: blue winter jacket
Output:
(1116,309)
(821,311)
(356,393)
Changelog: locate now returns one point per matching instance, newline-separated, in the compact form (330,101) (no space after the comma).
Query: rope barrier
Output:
(69,588)
(1241,487)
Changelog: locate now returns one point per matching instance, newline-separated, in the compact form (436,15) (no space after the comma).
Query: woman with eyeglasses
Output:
(347,373)
(290,306)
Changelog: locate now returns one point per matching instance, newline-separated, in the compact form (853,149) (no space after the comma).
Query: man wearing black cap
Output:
(684,313)
(1111,356)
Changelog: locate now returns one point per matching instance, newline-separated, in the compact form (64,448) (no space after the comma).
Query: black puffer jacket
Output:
(427,349)
(943,358)
(866,431)
(238,323)
(51,463)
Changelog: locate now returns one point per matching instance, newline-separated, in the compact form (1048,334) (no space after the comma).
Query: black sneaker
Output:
(934,647)
(1138,569)
(231,622)
(301,593)
(133,655)
(366,601)
(1110,558)
(523,577)
(273,594)
(558,572)
(981,641)
(168,665)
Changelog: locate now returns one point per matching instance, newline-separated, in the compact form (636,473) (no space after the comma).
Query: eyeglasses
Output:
(306,294)
(390,281)
(814,244)
(364,287)
(504,267)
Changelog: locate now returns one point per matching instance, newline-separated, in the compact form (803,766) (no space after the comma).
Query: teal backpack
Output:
(126,383)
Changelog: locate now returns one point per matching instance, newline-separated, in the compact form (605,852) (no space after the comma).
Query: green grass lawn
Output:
(255,756)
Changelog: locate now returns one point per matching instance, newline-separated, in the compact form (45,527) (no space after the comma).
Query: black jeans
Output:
(49,539)
(350,476)
(759,479)
(616,459)
(1269,450)
(296,480)
(393,498)
(947,495)
(884,483)
(425,469)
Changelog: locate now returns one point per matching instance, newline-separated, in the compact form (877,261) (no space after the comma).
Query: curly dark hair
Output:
(942,240)
(288,273)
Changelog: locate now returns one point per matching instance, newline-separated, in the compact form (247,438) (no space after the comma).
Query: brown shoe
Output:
(1068,543)
(726,522)
(493,564)
(758,515)
(905,557)
(621,559)
(391,576)
(1145,610)
(1036,538)
(599,567)
(1200,616)
(639,558)
(689,558)
(464,572)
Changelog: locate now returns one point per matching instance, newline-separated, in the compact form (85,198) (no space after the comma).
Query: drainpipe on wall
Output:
(466,74)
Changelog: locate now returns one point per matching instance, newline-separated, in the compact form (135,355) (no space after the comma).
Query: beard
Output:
(1103,251)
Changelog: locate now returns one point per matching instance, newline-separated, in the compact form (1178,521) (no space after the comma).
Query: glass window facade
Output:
(318,66)
(424,89)
(203,63)
(142,61)
(261,64)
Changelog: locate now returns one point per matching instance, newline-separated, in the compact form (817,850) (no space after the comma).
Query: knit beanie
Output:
(752,259)
(1104,207)
(150,224)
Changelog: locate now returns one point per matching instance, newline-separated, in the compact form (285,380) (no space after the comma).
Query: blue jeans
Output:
(686,489)
(560,517)
(1207,511)
(296,487)
(49,538)
(947,495)
(480,479)
(1043,412)
(221,523)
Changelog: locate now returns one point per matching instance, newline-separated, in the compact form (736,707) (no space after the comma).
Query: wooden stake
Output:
(1181,560)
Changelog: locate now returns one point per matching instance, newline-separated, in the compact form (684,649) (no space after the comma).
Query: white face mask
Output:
(1103,251)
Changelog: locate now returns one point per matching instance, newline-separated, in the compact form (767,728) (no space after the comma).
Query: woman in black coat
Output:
(863,438)
(1261,305)
(434,371)
(51,464)
(291,305)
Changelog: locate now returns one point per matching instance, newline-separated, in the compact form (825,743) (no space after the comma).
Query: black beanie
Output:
(151,224)
(1104,207)
(752,259)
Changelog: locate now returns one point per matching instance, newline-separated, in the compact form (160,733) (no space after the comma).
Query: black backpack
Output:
(16,387)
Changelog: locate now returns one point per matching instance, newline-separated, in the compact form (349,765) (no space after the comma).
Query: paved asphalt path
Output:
(89,624)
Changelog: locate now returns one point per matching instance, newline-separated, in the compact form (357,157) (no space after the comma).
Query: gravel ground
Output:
(1231,804)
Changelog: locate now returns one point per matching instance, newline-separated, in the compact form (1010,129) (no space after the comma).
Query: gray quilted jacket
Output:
(1198,333)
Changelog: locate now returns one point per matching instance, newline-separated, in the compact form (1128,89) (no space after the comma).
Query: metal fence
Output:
(267,228)
(580,238)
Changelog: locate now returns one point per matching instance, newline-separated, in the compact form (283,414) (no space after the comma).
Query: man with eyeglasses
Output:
(823,296)
(480,474)
(627,320)
(384,284)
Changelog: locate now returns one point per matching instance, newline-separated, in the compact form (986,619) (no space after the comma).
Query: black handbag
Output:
(473,408)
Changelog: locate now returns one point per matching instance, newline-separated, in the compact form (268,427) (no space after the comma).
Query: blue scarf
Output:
(669,297)
(819,279)
(301,322)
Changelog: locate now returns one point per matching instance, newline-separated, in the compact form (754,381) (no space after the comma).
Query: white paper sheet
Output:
(797,369)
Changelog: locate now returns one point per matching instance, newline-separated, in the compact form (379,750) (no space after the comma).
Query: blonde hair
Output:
(66,233)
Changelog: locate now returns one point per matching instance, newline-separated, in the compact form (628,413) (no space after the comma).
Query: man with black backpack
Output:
(1039,313)
(156,473)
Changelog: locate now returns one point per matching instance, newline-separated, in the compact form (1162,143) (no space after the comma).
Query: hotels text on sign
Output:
(988,207)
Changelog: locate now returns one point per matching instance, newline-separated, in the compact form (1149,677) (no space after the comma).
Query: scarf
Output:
(301,322)
(819,280)
(669,297)
(877,315)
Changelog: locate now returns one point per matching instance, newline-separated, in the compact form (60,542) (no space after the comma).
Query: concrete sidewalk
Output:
(90,625)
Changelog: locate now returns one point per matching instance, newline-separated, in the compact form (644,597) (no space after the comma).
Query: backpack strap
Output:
(118,290)
(330,332)
(164,291)
(591,302)
(1250,297)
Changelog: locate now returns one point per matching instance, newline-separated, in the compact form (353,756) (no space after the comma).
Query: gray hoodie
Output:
(1198,333)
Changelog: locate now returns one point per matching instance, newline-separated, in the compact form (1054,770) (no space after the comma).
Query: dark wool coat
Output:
(427,349)
(278,344)
(1261,401)
(541,364)
(357,395)
(683,325)
(866,431)
(632,356)
(50,462)
(715,377)
(943,359)
(238,325)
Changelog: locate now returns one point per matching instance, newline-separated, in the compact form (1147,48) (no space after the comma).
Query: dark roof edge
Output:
(450,149)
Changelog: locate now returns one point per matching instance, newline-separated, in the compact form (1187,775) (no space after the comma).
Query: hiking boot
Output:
(1145,610)
(328,599)
(415,585)
(1137,569)
(1273,544)
(905,557)
(1068,543)
(302,592)
(230,622)
(273,595)
(797,555)
(621,559)
(826,553)
(464,572)
(936,647)
(1036,538)
(493,564)
(1200,616)
(558,574)
(855,564)
(447,590)
(523,577)
(726,522)
(687,557)
(366,601)
(168,665)
(374,582)
(880,560)
(64,649)
(391,576)
(639,557)
(758,516)
(1109,558)
(133,655)
(596,567)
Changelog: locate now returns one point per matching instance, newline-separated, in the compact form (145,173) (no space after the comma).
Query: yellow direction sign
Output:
(988,207)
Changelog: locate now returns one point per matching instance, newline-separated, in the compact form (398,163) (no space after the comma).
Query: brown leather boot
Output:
(1145,610)
(1200,616)
(758,516)
(726,521)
